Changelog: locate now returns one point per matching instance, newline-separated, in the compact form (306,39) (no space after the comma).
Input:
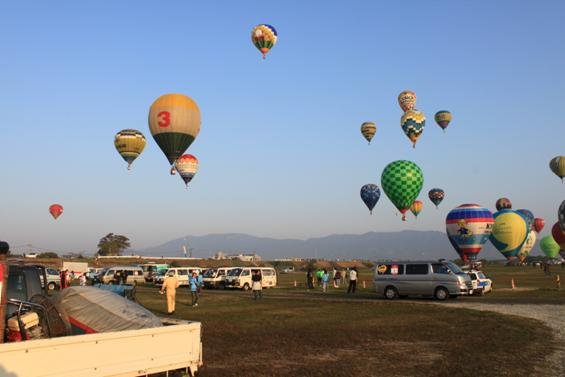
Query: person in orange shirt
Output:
(170,285)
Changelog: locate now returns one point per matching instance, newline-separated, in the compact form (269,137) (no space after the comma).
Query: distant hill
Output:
(406,244)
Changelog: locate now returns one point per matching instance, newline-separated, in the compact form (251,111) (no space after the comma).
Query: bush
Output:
(49,254)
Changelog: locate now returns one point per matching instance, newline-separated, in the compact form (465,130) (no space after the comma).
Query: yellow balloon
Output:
(509,232)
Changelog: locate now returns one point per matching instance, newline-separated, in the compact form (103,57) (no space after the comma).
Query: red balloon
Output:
(55,210)
(538,224)
(558,235)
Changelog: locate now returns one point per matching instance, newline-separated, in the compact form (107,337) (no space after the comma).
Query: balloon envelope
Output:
(549,246)
(413,123)
(509,232)
(416,207)
(187,166)
(538,224)
(468,227)
(436,195)
(370,194)
(557,166)
(174,122)
(264,37)
(56,210)
(558,235)
(368,129)
(129,144)
(527,247)
(561,215)
(402,182)
(443,118)
(529,216)
(503,203)
(407,100)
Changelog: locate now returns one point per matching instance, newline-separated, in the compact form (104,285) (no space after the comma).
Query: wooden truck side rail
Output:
(124,353)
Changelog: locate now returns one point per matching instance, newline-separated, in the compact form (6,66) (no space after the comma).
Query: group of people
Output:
(322,277)
(170,285)
(67,277)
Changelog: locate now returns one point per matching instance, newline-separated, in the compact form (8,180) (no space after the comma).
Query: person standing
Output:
(325,280)
(170,285)
(352,280)
(310,279)
(256,284)
(82,279)
(193,281)
(337,279)
(63,275)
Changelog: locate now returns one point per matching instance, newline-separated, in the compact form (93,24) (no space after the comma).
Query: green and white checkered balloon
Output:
(402,182)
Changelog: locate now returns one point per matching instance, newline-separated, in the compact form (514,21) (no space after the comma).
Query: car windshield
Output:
(210,273)
(235,272)
(455,268)
(481,275)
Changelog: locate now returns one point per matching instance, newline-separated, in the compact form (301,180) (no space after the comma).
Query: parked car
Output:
(481,284)
(287,270)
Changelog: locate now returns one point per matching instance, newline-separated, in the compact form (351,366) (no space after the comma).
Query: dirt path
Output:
(552,315)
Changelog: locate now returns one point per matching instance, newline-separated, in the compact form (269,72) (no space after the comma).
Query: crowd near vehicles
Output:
(151,269)
(134,274)
(240,277)
(37,342)
(440,279)
(216,277)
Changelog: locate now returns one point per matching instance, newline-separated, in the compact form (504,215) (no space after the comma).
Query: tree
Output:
(113,244)
(48,254)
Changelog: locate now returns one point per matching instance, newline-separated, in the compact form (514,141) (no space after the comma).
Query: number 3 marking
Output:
(165,120)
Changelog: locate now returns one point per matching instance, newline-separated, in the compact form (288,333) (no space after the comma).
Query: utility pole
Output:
(4,250)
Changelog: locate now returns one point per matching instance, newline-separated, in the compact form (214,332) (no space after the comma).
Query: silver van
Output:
(440,279)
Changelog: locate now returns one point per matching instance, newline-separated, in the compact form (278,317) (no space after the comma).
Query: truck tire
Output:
(245,287)
(390,293)
(51,286)
(441,293)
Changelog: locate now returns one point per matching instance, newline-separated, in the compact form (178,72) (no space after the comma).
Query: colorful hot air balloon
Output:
(557,166)
(529,216)
(436,195)
(187,166)
(416,207)
(264,37)
(413,123)
(558,235)
(129,144)
(468,227)
(538,224)
(561,215)
(549,246)
(368,129)
(443,118)
(503,203)
(55,210)
(174,121)
(402,181)
(527,247)
(509,232)
(407,100)
(370,194)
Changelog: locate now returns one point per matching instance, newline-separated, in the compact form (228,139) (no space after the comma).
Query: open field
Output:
(307,333)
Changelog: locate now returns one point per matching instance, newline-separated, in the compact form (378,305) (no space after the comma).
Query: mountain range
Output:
(403,245)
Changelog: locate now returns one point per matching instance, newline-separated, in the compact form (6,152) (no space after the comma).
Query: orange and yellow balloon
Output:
(407,100)
(368,129)
(416,207)
(264,37)
(129,144)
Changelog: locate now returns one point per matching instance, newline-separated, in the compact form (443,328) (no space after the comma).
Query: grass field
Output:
(294,332)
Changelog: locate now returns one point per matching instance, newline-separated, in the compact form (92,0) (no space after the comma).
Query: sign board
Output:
(394,269)
(381,269)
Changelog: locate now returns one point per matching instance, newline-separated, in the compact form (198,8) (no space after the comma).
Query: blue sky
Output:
(280,150)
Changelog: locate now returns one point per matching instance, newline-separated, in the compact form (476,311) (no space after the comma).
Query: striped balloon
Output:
(368,129)
(413,123)
(407,100)
(264,37)
(187,166)
(468,227)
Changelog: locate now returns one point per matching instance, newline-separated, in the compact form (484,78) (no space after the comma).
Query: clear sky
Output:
(280,150)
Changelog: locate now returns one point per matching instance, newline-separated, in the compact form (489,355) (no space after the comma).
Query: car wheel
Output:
(441,293)
(390,293)
(51,286)
(245,287)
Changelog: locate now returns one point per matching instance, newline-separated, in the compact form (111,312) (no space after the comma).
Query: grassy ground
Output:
(292,332)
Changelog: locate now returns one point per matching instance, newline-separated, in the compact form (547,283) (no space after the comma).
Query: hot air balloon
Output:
(558,235)
(264,37)
(529,216)
(557,166)
(368,129)
(549,246)
(55,210)
(370,194)
(129,144)
(538,225)
(174,121)
(503,203)
(468,227)
(413,123)
(407,100)
(443,118)
(561,215)
(436,195)
(402,181)
(416,207)
(187,166)
(509,232)
(527,247)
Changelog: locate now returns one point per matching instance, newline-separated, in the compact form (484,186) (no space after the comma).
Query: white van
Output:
(182,274)
(439,279)
(216,277)
(240,277)
(134,274)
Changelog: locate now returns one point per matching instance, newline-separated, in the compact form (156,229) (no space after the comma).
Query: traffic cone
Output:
(512,283)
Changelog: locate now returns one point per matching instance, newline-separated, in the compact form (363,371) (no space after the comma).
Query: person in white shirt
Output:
(352,280)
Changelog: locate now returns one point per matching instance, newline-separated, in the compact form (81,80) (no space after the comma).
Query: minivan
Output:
(134,274)
(215,277)
(182,274)
(440,279)
(240,277)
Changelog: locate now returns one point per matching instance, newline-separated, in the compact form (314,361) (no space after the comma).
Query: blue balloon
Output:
(370,194)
